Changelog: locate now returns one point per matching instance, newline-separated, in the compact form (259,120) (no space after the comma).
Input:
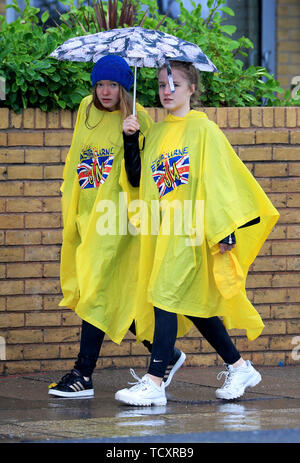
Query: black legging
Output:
(90,345)
(165,334)
(212,329)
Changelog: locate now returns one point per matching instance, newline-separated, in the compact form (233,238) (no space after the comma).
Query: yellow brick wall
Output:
(288,41)
(40,336)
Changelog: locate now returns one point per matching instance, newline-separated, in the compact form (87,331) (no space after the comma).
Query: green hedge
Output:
(33,79)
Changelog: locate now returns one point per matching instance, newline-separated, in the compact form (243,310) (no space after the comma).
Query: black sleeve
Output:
(132,158)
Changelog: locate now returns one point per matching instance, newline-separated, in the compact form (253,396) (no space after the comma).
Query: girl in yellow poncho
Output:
(98,265)
(206,196)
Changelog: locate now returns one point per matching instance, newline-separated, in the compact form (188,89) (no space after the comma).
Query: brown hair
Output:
(192,76)
(125,105)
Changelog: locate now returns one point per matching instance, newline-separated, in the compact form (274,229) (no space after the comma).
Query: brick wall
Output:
(37,335)
(288,41)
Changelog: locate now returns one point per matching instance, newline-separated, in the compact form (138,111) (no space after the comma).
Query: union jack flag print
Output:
(170,172)
(93,169)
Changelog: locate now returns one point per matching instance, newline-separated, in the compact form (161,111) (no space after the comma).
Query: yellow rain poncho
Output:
(99,257)
(195,192)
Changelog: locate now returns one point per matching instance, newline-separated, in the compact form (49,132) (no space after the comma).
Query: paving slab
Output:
(269,412)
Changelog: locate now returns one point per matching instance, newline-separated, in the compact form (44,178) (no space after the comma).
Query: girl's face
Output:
(178,103)
(108,93)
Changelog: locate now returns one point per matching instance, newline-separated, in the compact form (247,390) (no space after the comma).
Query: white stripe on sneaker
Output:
(78,386)
(176,367)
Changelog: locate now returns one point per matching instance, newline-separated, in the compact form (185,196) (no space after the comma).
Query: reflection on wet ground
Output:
(28,414)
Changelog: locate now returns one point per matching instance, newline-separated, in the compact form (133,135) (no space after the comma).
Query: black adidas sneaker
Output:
(72,385)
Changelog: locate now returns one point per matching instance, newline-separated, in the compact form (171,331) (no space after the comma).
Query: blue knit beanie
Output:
(115,68)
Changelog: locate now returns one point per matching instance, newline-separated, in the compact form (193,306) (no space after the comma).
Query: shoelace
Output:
(133,373)
(228,377)
(138,381)
(67,377)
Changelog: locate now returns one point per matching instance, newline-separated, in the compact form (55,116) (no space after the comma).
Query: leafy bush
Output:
(33,79)
(233,85)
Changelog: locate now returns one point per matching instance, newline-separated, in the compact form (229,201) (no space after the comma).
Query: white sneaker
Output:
(144,393)
(237,380)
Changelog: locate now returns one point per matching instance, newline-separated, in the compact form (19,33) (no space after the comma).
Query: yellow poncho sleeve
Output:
(233,198)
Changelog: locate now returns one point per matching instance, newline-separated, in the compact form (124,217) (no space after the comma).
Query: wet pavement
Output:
(267,413)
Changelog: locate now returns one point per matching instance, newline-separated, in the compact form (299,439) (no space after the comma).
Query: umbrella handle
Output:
(134,91)
(170,77)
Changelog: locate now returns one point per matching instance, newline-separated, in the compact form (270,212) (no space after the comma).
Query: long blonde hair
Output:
(125,105)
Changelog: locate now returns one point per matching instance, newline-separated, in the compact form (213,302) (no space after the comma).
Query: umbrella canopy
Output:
(138,46)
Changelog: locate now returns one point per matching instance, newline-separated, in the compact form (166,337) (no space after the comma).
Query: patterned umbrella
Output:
(138,46)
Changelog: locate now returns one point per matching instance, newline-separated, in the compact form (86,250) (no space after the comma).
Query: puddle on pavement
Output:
(95,418)
(190,409)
